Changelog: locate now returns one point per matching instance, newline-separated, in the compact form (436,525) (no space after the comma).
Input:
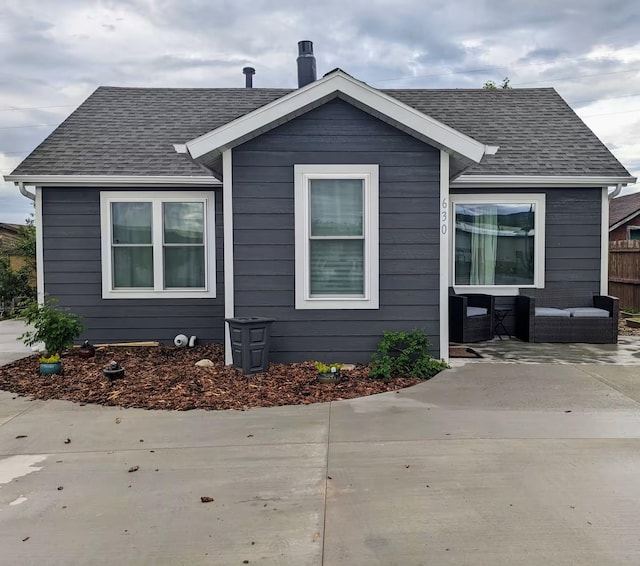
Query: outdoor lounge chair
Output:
(470,317)
(566,314)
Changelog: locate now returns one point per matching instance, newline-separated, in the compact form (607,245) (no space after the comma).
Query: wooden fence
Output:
(624,272)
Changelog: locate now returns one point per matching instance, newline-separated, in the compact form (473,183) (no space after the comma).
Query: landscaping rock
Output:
(205,364)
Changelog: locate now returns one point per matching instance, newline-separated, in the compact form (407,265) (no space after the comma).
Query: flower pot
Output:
(334,377)
(111,374)
(87,352)
(50,368)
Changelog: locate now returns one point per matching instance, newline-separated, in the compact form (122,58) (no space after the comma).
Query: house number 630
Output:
(444,217)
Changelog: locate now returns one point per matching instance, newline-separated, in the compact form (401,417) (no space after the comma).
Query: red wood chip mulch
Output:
(167,378)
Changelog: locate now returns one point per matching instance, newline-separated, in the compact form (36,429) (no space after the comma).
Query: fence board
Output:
(624,272)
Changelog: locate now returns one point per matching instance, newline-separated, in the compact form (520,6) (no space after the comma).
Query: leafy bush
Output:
(404,354)
(17,284)
(55,327)
(327,368)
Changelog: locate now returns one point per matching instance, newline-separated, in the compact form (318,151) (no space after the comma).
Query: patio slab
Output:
(483,503)
(86,508)
(625,352)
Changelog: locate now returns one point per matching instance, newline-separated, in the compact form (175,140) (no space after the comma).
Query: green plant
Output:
(54,327)
(324,368)
(404,354)
(54,359)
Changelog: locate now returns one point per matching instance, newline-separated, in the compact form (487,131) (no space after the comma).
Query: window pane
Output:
(183,222)
(132,267)
(184,267)
(131,222)
(337,267)
(336,207)
(495,244)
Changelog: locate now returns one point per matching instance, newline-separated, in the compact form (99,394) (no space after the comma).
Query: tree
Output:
(491,85)
(17,283)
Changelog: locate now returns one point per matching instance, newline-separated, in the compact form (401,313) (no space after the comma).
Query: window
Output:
(336,208)
(633,233)
(157,244)
(498,241)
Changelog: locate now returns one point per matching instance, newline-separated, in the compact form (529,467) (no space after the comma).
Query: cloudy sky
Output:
(54,54)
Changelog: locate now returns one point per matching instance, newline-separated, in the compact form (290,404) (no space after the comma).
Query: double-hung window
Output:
(157,244)
(498,242)
(336,223)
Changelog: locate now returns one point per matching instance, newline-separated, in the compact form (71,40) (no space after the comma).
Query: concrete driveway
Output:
(486,464)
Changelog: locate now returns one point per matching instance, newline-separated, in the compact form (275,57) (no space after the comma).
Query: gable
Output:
(207,148)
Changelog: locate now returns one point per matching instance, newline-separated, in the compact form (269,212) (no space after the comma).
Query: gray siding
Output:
(263,205)
(572,237)
(73,274)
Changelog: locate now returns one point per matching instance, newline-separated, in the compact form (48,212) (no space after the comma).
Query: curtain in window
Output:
(184,261)
(484,245)
(131,244)
(336,246)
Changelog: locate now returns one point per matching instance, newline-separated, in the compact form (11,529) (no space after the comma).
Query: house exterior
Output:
(9,234)
(624,218)
(339,210)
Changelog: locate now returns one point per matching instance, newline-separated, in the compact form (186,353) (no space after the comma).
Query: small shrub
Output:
(52,326)
(327,368)
(404,354)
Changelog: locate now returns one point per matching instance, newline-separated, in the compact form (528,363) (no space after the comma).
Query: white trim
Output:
(300,100)
(180,148)
(39,247)
(114,180)
(539,199)
(157,198)
(369,175)
(444,256)
(227,213)
(624,220)
(532,181)
(604,243)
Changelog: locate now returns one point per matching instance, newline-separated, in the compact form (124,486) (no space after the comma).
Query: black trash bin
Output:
(250,342)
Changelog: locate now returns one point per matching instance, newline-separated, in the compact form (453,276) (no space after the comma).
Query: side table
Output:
(499,316)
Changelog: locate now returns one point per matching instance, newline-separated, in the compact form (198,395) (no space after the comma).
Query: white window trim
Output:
(157,198)
(369,174)
(539,245)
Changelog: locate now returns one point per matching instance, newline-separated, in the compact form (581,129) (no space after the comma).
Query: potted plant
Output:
(328,373)
(52,326)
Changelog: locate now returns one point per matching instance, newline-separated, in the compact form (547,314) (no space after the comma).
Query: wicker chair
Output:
(470,317)
(586,326)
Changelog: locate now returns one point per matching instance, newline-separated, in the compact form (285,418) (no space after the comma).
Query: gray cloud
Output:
(59,52)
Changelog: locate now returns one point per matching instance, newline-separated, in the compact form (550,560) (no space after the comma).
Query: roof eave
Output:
(518,181)
(113,180)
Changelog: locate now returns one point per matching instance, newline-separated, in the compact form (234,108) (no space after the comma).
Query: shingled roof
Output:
(131,131)
(623,208)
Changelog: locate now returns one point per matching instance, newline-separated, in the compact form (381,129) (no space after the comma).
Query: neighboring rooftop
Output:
(131,131)
(623,208)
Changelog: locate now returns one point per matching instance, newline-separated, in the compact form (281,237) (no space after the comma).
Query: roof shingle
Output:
(131,131)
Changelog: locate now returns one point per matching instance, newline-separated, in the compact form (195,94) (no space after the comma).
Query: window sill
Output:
(336,304)
(497,290)
(173,294)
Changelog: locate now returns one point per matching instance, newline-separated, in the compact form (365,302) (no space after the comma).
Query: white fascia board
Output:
(113,180)
(514,181)
(624,220)
(338,82)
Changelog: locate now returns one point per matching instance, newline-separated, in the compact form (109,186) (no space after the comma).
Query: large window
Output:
(336,236)
(498,241)
(158,244)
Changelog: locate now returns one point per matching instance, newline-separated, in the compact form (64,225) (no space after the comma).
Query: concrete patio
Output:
(487,464)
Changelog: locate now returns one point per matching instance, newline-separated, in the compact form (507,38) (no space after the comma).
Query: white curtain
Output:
(484,245)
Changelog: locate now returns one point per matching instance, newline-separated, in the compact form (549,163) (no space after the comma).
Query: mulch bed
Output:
(166,378)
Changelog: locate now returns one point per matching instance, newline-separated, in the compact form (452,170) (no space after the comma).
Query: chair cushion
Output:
(476,311)
(588,311)
(548,311)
